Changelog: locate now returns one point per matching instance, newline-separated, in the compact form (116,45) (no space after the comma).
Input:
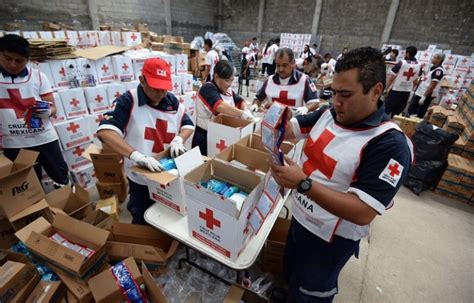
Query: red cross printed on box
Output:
(189,82)
(78,151)
(182,63)
(208,216)
(73,127)
(317,159)
(425,55)
(159,135)
(16,102)
(105,68)
(176,85)
(117,94)
(283,99)
(74,102)
(393,168)
(409,73)
(458,76)
(125,67)
(193,97)
(133,37)
(62,72)
(221,145)
(99,98)
(99,118)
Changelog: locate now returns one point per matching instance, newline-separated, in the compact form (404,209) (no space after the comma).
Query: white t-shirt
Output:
(332,63)
(274,48)
(211,59)
(245,50)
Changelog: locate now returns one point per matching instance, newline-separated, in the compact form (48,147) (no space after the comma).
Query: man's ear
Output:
(142,79)
(377,91)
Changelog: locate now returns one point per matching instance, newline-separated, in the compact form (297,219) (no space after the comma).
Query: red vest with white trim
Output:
(289,95)
(331,157)
(15,99)
(150,131)
(407,74)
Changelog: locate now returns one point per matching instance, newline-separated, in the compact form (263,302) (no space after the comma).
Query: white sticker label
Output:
(392,173)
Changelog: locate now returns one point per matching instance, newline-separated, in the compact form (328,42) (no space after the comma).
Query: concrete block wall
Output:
(191,18)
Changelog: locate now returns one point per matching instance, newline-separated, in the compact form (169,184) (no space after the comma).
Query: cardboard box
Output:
(123,68)
(105,287)
(109,206)
(75,204)
(108,165)
(100,219)
(73,133)
(131,38)
(59,72)
(105,70)
(60,115)
(31,213)
(82,72)
(36,238)
(74,102)
(12,276)
(97,99)
(166,188)
(254,141)
(238,294)
(137,64)
(84,176)
(215,220)
(47,292)
(153,291)
(181,63)
(107,190)
(246,157)
(115,90)
(222,131)
(131,85)
(144,243)
(77,290)
(28,287)
(274,248)
(186,82)
(19,185)
(189,101)
(176,80)
(74,158)
(7,234)
(171,59)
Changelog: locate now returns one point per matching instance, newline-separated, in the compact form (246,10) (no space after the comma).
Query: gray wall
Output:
(343,22)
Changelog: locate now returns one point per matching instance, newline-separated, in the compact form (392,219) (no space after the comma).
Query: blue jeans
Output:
(312,265)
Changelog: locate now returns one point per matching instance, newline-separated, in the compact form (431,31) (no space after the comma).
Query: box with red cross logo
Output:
(449,63)
(215,220)
(131,85)
(114,90)
(186,82)
(171,59)
(74,156)
(59,73)
(60,115)
(94,121)
(74,102)
(96,98)
(84,176)
(45,69)
(131,38)
(137,64)
(222,131)
(424,58)
(105,70)
(181,63)
(176,83)
(123,68)
(189,101)
(73,133)
(167,188)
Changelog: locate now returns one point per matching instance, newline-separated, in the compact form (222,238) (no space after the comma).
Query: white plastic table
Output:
(176,226)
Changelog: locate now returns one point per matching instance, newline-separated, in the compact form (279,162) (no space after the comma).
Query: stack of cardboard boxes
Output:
(407,124)
(465,116)
(457,181)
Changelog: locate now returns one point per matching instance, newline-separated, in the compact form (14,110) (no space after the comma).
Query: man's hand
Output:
(43,114)
(288,176)
(149,162)
(422,100)
(177,147)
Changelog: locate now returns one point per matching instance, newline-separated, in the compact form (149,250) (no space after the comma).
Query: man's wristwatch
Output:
(304,185)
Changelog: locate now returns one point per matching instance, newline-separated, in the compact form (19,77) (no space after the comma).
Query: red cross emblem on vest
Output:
(125,67)
(73,127)
(159,135)
(99,98)
(394,171)
(317,159)
(221,145)
(105,68)
(409,73)
(283,99)
(16,102)
(208,216)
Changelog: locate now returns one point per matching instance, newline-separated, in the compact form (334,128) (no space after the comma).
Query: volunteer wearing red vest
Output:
(289,86)
(146,121)
(20,89)
(353,163)
(214,98)
(402,76)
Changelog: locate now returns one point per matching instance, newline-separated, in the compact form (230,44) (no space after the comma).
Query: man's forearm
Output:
(115,141)
(185,133)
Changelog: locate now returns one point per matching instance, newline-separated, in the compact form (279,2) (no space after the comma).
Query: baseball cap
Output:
(157,73)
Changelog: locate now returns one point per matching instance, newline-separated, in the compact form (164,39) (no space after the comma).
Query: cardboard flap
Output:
(245,179)
(40,225)
(82,194)
(42,204)
(174,246)
(58,198)
(231,121)
(189,161)
(163,178)
(153,290)
(96,53)
(91,149)
(25,158)
(140,234)
(234,295)
(80,232)
(5,166)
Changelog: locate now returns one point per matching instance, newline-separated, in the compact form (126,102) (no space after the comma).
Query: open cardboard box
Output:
(107,190)
(166,188)
(237,294)
(254,141)
(19,185)
(47,292)
(223,130)
(24,283)
(108,165)
(36,238)
(31,213)
(274,248)
(75,204)
(110,206)
(252,159)
(77,290)
(100,219)
(215,220)
(142,242)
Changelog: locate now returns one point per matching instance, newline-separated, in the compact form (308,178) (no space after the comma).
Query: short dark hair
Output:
(285,51)
(369,63)
(208,42)
(411,50)
(224,69)
(395,51)
(315,45)
(327,56)
(254,38)
(15,44)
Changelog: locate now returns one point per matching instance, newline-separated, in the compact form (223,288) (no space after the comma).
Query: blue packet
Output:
(230,191)
(216,185)
(168,163)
